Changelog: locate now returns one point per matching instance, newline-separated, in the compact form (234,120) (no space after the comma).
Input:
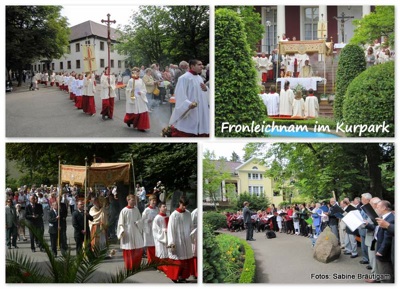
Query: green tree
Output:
(256,202)
(377,24)
(235,157)
(34,33)
(369,100)
(252,24)
(214,172)
(351,63)
(188,32)
(236,91)
(165,34)
(318,168)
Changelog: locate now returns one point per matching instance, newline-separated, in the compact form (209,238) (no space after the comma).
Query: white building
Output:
(86,34)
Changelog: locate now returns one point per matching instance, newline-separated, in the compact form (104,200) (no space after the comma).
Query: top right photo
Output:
(304,71)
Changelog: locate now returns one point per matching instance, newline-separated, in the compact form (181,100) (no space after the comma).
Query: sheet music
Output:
(353,220)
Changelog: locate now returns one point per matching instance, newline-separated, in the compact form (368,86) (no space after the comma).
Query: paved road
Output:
(48,112)
(106,268)
(288,259)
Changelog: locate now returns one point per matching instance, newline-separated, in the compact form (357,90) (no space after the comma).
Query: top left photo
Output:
(118,71)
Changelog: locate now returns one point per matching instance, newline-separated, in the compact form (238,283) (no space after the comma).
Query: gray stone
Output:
(326,248)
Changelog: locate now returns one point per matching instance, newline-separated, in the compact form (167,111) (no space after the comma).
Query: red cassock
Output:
(139,121)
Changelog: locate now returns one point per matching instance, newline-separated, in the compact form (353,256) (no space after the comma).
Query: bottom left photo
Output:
(101,212)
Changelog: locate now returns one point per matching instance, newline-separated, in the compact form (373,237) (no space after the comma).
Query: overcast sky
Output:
(79,14)
(225,149)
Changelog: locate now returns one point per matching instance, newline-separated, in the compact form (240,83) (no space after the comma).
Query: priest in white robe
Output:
(191,116)
(160,227)
(98,225)
(180,242)
(129,232)
(147,219)
(286,101)
(136,103)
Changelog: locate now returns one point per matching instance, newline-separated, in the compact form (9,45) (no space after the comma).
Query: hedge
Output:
(215,220)
(249,267)
(369,100)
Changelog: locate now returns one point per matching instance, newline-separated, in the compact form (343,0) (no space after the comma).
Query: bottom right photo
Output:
(298,213)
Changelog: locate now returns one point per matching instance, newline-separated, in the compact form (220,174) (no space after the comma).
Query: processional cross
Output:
(108,21)
(343,18)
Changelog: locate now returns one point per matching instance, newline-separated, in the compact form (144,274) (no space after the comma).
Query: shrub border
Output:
(249,266)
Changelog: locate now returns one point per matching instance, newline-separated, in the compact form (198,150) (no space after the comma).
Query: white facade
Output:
(87,33)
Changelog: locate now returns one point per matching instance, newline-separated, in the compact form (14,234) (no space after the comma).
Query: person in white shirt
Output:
(147,219)
(160,227)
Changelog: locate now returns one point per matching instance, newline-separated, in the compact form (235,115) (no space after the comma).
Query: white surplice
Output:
(160,236)
(196,120)
(179,230)
(129,229)
(311,106)
(138,105)
(147,218)
(286,102)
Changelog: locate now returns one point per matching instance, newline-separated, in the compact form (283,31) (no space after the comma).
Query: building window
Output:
(78,64)
(52,66)
(102,45)
(311,18)
(126,64)
(271,39)
(68,64)
(35,68)
(102,63)
(69,49)
(87,42)
(77,47)
(256,190)
(119,64)
(255,176)
(276,193)
(112,63)
(61,65)
(112,48)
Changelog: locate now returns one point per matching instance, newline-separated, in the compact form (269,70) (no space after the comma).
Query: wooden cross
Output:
(342,19)
(108,21)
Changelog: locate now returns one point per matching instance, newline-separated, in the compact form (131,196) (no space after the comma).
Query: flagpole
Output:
(133,176)
(85,201)
(59,202)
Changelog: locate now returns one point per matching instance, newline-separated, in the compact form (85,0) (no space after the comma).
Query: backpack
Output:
(270,234)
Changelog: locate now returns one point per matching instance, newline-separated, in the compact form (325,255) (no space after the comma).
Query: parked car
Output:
(9,86)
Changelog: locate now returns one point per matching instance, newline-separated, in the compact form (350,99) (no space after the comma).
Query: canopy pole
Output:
(59,202)
(85,201)
(134,180)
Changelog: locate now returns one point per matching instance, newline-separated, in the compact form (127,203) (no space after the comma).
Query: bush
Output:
(351,63)
(232,255)
(256,203)
(214,271)
(370,100)
(215,220)
(236,90)
(249,267)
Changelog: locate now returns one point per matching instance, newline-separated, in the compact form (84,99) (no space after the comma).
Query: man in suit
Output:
(53,227)
(369,237)
(384,243)
(248,221)
(80,230)
(11,224)
(34,215)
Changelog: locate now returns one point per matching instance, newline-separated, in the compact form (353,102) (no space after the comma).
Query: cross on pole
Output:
(108,21)
(343,18)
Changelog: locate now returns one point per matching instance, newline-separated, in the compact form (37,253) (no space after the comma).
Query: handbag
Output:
(156,91)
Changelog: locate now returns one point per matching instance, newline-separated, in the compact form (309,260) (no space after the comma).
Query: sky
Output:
(78,14)
(224,149)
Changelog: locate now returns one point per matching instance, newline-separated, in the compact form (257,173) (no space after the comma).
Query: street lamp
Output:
(268,23)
